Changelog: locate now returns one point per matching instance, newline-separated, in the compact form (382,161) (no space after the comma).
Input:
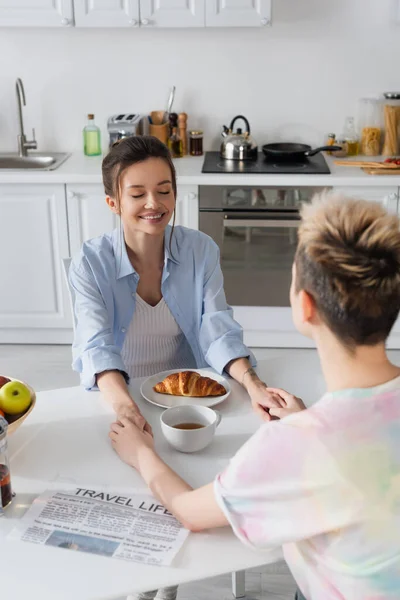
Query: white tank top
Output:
(154,341)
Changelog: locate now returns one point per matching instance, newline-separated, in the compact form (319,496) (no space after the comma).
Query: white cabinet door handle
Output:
(145,22)
(133,22)
(265,22)
(65,22)
(74,195)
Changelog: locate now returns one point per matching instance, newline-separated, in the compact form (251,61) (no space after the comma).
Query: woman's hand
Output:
(130,441)
(131,412)
(115,390)
(263,399)
(289,404)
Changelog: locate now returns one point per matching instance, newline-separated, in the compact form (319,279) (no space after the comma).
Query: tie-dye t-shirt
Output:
(325,484)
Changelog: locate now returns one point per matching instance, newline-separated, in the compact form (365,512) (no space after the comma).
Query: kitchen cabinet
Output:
(36,13)
(170,13)
(238,13)
(139,13)
(187,206)
(34,306)
(88,214)
(107,13)
(135,13)
(388,195)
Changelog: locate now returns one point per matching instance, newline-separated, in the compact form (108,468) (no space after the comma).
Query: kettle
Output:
(237,145)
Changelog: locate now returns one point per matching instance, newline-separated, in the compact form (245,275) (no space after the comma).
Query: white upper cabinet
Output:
(135,13)
(172,13)
(238,13)
(107,13)
(36,13)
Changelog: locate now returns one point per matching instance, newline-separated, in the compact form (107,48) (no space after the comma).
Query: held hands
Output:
(289,404)
(129,440)
(264,400)
(132,413)
(269,403)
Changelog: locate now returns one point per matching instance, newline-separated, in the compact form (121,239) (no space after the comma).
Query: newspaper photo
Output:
(135,528)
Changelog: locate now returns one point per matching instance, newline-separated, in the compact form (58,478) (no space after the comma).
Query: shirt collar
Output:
(123,264)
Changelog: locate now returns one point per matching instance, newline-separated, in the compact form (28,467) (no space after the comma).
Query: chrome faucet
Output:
(23,144)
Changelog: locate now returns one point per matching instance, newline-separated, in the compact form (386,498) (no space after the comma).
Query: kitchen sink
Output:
(36,161)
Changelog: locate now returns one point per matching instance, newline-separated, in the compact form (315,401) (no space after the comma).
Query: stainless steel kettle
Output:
(238,145)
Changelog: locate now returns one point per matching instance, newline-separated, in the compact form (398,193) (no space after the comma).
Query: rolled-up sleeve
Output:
(93,349)
(221,337)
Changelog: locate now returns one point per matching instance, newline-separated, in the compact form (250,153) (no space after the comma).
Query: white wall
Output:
(298,79)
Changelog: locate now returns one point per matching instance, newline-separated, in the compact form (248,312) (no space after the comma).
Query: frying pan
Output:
(291,151)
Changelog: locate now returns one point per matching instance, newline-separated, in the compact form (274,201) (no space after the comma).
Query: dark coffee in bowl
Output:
(188,426)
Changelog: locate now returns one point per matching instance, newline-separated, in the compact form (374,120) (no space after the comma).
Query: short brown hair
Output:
(348,260)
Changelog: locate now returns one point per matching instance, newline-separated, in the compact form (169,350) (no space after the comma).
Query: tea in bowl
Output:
(189,428)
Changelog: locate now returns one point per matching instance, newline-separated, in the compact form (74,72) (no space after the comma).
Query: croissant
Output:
(191,384)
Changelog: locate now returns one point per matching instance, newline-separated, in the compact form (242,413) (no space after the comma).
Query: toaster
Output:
(124,125)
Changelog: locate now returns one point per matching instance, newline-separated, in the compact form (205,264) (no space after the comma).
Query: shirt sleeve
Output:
(93,349)
(284,485)
(221,337)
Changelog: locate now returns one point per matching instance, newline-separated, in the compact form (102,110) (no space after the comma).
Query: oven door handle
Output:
(251,222)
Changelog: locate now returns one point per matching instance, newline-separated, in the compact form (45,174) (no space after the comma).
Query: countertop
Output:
(79,169)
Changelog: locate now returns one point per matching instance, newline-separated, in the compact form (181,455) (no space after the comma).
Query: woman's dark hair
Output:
(127,152)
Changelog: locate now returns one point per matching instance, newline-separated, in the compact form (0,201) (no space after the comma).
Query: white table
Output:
(65,439)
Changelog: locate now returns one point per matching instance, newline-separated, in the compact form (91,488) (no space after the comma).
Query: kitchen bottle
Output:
(91,138)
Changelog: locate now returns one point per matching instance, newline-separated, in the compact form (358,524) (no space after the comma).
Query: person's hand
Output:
(263,399)
(130,441)
(131,412)
(289,404)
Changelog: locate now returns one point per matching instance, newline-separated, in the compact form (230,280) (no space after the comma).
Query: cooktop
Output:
(213,163)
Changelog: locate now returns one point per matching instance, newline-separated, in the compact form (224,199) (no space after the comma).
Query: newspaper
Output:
(130,527)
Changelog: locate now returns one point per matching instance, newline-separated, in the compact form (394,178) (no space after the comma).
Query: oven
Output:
(256,231)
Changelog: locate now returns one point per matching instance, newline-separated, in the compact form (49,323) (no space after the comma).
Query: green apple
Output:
(15,398)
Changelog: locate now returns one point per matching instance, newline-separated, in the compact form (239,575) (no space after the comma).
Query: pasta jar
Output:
(391,113)
(371,126)
(195,143)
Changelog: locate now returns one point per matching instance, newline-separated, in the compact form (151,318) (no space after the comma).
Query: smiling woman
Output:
(149,297)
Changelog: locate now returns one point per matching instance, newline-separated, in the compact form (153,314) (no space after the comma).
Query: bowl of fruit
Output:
(17,401)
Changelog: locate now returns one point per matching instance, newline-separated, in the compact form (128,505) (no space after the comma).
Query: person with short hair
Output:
(323,482)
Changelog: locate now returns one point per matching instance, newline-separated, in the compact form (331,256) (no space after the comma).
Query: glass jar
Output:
(5,480)
(391,113)
(371,126)
(195,143)
(340,141)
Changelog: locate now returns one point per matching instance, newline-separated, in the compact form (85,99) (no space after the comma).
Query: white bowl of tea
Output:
(189,428)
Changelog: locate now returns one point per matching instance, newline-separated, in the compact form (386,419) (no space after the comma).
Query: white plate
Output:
(167,400)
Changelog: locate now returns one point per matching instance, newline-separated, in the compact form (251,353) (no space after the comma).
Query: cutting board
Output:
(372,168)
(373,171)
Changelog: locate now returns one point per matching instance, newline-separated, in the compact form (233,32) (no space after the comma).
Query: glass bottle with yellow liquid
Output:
(175,144)
(91,138)
(350,137)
